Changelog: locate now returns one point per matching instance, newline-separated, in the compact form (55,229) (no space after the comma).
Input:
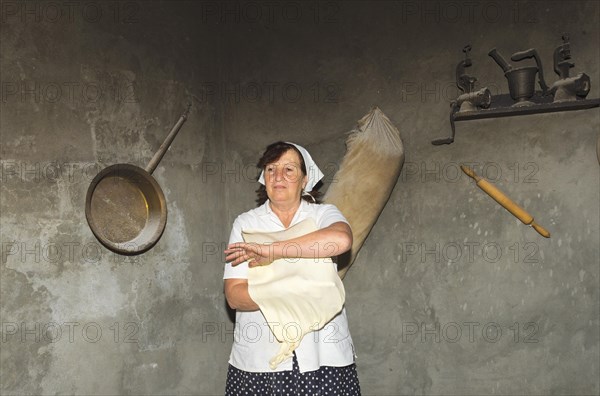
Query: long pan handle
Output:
(165,146)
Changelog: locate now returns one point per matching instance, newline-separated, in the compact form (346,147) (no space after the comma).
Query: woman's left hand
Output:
(256,254)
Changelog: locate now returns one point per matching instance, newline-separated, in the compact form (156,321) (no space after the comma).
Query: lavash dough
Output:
(296,295)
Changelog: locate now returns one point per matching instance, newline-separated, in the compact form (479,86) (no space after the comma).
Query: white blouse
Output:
(253,342)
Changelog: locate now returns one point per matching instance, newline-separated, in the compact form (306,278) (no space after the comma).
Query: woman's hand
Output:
(327,242)
(256,254)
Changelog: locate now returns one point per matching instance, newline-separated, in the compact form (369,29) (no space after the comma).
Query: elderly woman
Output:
(322,364)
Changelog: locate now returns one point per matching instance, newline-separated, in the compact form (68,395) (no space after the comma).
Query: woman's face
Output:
(284,179)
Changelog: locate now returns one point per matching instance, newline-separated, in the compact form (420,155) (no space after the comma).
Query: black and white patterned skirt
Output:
(326,381)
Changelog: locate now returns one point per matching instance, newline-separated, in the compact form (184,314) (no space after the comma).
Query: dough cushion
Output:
(296,296)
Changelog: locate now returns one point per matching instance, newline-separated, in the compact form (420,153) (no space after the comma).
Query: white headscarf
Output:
(312,170)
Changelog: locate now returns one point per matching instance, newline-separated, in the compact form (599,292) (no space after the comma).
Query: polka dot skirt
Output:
(326,381)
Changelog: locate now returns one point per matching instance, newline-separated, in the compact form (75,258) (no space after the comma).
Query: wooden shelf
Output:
(502,107)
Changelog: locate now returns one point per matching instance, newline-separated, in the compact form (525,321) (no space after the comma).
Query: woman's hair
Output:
(272,153)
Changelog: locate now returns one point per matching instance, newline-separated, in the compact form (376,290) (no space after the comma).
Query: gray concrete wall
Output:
(450,294)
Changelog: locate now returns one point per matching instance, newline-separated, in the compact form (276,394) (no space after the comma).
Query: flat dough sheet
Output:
(296,296)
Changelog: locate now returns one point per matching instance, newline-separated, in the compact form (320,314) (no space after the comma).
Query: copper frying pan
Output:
(125,207)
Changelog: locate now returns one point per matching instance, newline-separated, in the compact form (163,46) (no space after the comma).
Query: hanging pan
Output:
(125,207)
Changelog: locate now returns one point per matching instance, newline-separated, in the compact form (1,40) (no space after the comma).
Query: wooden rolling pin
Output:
(506,202)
